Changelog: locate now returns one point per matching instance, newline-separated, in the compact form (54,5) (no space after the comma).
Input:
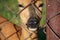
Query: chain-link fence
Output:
(14,16)
(50,26)
(53,14)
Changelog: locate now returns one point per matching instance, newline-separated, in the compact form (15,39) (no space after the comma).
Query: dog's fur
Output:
(25,15)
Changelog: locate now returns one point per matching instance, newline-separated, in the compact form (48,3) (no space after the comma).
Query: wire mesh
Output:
(54,14)
(50,26)
(15,15)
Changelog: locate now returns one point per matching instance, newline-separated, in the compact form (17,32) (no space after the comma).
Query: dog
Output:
(30,18)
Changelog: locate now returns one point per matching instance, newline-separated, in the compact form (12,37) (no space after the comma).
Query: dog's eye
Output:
(41,5)
(20,5)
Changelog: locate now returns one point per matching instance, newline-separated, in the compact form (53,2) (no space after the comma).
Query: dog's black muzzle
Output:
(32,23)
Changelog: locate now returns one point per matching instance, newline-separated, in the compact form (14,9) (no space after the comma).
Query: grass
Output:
(8,9)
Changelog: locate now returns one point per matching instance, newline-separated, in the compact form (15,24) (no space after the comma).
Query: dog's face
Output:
(27,15)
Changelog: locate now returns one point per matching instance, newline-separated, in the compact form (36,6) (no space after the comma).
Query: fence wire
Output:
(32,3)
(15,15)
(50,26)
(53,19)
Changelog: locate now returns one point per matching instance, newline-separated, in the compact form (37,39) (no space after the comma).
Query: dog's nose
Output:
(32,23)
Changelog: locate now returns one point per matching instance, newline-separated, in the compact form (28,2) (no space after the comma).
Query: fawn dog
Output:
(29,18)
